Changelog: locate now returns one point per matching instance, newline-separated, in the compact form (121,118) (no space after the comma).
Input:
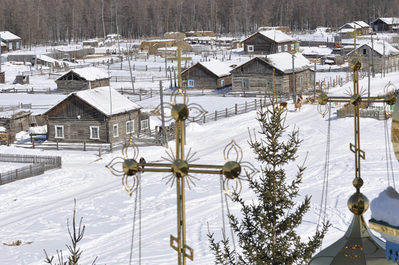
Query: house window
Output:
(59,131)
(129,127)
(285,47)
(144,124)
(94,132)
(10,46)
(115,130)
(364,51)
(292,47)
(245,84)
(222,83)
(17,45)
(190,83)
(269,84)
(297,46)
(279,48)
(250,48)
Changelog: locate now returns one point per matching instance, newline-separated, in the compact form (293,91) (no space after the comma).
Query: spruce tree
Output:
(267,231)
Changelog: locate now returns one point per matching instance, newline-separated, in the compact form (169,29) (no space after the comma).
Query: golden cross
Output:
(179,59)
(357,203)
(181,167)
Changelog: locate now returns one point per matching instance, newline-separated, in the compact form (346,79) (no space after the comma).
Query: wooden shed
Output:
(269,42)
(362,28)
(12,41)
(200,34)
(207,75)
(15,121)
(257,74)
(81,79)
(100,115)
(174,35)
(385,24)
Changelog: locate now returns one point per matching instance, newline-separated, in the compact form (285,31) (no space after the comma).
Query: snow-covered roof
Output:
(46,58)
(99,98)
(217,67)
(6,35)
(385,207)
(89,73)
(379,48)
(168,48)
(276,35)
(283,62)
(388,20)
(362,24)
(316,50)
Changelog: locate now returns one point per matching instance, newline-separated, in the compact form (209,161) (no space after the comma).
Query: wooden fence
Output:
(39,164)
(376,113)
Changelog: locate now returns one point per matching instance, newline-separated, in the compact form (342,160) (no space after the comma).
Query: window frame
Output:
(222,83)
(250,48)
(279,48)
(292,47)
(129,127)
(113,130)
(56,131)
(243,82)
(190,83)
(286,47)
(91,132)
(146,124)
(10,46)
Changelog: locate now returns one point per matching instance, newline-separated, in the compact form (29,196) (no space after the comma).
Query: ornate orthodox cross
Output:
(358,243)
(180,166)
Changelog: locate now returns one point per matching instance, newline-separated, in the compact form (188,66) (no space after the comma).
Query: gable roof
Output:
(275,35)
(99,98)
(379,48)
(6,35)
(88,73)
(216,67)
(388,20)
(283,62)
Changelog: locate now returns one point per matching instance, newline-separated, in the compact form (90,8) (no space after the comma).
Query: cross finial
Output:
(179,59)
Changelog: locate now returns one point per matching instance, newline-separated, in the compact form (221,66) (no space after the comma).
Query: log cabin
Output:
(81,79)
(269,42)
(100,115)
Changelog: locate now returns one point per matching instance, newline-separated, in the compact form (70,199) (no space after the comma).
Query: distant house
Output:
(81,79)
(16,120)
(270,41)
(368,55)
(200,34)
(100,115)
(174,35)
(362,28)
(3,47)
(257,73)
(207,75)
(385,24)
(12,41)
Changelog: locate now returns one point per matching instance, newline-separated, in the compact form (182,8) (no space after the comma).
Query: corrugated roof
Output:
(6,35)
(217,67)
(276,35)
(283,62)
(89,73)
(99,98)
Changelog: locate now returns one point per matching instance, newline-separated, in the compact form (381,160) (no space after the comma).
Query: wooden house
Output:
(100,115)
(12,41)
(385,24)
(270,41)
(257,74)
(207,75)
(81,79)
(200,34)
(367,55)
(174,35)
(362,28)
(16,120)
(3,47)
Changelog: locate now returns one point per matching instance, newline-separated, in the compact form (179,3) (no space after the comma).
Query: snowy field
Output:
(36,210)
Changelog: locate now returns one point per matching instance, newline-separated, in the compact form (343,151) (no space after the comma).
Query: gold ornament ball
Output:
(180,112)
(357,183)
(356,99)
(358,203)
(323,99)
(130,167)
(355,64)
(180,168)
(231,170)
(390,99)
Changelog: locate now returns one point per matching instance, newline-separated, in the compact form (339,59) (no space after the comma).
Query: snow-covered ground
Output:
(36,209)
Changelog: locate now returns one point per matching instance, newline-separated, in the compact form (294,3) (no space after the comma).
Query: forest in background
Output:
(49,21)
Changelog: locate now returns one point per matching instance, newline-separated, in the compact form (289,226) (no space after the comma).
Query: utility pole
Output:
(163,135)
(383,57)
(372,55)
(130,68)
(166,60)
(314,81)
(293,79)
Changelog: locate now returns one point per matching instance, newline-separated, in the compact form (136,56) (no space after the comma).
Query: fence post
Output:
(226,113)
(204,119)
(236,109)
(16,174)
(140,94)
(255,104)
(216,115)
(245,107)
(160,68)
(99,152)
(152,79)
(84,146)
(151,92)
(30,170)
(57,145)
(146,67)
